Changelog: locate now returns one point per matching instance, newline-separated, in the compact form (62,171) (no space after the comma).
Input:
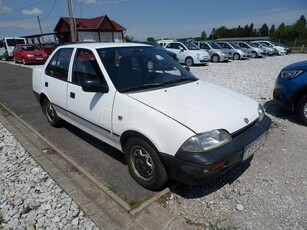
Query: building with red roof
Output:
(99,29)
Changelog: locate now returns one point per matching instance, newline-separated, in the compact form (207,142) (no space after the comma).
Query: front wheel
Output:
(24,61)
(51,114)
(189,61)
(144,164)
(215,58)
(236,56)
(254,54)
(302,110)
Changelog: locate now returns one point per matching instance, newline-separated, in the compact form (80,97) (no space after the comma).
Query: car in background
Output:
(281,50)
(188,53)
(288,50)
(238,52)
(216,52)
(269,50)
(29,54)
(7,45)
(291,89)
(167,122)
(256,51)
(159,47)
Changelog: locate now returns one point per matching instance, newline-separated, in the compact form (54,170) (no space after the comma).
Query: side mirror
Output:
(94,86)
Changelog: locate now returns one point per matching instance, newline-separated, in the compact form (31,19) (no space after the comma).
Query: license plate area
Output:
(251,148)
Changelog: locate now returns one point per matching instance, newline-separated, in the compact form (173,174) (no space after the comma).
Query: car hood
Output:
(201,106)
(297,66)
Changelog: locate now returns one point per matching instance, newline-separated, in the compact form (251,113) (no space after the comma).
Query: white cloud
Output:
(18,25)
(34,11)
(4,9)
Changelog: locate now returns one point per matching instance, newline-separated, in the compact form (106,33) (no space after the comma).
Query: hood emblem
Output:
(246,120)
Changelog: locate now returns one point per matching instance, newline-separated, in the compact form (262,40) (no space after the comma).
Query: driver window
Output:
(85,67)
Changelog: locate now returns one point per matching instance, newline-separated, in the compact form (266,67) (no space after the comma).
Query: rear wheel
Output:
(51,114)
(144,164)
(236,56)
(302,110)
(215,58)
(189,61)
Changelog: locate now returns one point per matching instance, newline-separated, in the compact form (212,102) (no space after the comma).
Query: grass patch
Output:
(132,203)
(164,199)
(4,111)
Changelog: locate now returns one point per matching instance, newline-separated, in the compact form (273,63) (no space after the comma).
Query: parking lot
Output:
(271,191)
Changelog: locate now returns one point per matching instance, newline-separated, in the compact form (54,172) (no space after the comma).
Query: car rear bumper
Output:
(189,168)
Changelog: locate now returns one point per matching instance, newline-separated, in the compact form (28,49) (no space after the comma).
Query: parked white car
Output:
(188,53)
(169,124)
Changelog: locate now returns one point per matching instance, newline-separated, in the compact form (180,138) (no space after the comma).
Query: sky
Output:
(151,18)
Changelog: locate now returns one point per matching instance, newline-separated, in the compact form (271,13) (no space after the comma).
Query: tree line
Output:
(291,35)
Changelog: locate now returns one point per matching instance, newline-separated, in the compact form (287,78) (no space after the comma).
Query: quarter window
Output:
(59,64)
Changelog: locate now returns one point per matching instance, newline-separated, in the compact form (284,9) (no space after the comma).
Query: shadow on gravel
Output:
(198,191)
(271,107)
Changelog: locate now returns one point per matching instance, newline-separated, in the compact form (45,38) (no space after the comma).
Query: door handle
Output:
(46,84)
(72,95)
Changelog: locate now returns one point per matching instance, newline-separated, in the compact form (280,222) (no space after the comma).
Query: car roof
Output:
(97,45)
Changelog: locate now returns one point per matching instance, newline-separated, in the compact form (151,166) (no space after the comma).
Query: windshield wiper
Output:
(140,87)
(177,80)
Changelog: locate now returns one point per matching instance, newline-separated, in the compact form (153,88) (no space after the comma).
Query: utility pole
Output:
(71,21)
(40,26)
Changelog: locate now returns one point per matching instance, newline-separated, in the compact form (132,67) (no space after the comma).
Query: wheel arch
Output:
(124,138)
(297,97)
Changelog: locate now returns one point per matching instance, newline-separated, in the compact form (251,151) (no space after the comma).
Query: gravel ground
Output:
(270,191)
(29,198)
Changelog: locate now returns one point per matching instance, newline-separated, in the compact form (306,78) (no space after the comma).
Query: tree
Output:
(212,35)
(272,30)
(151,39)
(128,38)
(264,30)
(203,35)
(300,27)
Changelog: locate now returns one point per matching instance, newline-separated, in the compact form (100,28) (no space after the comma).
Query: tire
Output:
(189,61)
(215,58)
(254,54)
(24,61)
(236,56)
(144,164)
(15,60)
(51,114)
(302,110)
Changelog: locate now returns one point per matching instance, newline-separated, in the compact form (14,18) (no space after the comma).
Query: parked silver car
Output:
(256,51)
(238,52)
(270,50)
(216,52)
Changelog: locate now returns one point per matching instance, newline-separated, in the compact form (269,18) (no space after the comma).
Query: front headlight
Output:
(290,74)
(30,55)
(206,141)
(261,113)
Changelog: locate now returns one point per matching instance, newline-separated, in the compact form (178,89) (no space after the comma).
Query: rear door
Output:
(56,80)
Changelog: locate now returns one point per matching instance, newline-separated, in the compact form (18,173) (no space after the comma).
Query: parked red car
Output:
(29,54)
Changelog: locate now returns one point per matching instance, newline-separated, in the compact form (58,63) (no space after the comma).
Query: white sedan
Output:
(168,123)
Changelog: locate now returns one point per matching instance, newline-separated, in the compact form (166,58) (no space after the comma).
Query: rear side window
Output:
(59,64)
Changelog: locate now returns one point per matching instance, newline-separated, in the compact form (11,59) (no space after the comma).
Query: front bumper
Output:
(189,168)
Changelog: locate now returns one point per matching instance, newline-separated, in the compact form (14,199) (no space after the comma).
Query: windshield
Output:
(214,45)
(254,44)
(142,68)
(266,44)
(234,45)
(13,42)
(30,48)
(191,46)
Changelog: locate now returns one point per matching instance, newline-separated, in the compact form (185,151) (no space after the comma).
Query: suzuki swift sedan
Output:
(136,98)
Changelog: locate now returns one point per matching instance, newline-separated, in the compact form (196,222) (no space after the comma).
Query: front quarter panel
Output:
(166,134)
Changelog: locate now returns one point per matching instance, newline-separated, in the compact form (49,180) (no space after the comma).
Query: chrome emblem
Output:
(246,120)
